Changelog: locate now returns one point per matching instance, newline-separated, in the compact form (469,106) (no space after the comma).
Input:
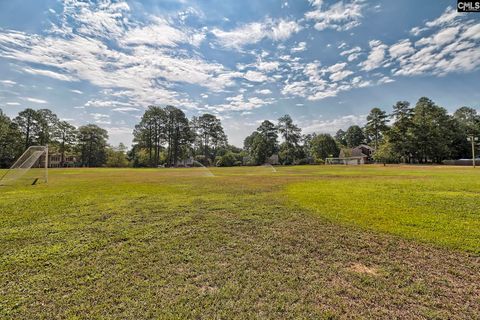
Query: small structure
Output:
(353,156)
(55,160)
(186,162)
(273,160)
(345,160)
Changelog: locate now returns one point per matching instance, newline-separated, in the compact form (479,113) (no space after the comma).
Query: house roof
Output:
(357,152)
(366,147)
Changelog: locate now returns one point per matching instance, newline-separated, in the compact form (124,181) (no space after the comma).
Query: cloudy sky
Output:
(326,63)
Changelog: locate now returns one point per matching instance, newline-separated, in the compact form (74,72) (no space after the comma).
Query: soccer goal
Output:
(30,168)
(345,161)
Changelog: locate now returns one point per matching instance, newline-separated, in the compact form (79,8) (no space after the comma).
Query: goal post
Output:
(345,160)
(30,167)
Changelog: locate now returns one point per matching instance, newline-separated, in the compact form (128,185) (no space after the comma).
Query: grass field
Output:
(303,242)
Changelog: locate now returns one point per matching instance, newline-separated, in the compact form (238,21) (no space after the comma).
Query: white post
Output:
(473,140)
(473,151)
(46,164)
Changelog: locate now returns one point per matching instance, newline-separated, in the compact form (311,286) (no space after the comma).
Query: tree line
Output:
(425,133)
(164,136)
(43,127)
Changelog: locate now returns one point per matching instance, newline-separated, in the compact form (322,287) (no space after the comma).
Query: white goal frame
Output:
(29,158)
(346,160)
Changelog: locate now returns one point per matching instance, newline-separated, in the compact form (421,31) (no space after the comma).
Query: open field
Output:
(302,242)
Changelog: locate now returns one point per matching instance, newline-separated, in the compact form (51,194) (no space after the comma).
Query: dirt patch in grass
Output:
(363,269)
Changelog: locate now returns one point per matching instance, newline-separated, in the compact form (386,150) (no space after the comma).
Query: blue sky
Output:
(326,63)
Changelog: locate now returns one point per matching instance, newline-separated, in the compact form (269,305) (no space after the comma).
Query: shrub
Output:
(228,160)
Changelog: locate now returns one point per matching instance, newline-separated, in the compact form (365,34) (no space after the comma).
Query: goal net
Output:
(345,161)
(30,168)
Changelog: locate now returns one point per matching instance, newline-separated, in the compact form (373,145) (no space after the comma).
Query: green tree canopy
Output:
(290,149)
(209,135)
(92,145)
(11,144)
(376,125)
(323,146)
(354,136)
(28,122)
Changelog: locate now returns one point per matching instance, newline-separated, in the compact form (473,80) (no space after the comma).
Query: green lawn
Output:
(302,242)
(438,206)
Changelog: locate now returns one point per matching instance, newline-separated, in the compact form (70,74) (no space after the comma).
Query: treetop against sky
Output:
(326,63)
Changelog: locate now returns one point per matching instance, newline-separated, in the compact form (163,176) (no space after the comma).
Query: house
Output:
(363,152)
(55,161)
(273,160)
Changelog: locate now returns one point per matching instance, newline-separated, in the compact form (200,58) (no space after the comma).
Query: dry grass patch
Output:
(363,269)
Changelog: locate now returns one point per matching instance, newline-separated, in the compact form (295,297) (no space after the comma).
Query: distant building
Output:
(55,161)
(186,162)
(353,156)
(363,152)
(273,160)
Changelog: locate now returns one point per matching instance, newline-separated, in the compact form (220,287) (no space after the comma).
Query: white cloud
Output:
(466,60)
(139,62)
(267,65)
(450,47)
(104,19)
(76,91)
(101,118)
(161,33)
(254,32)
(443,37)
(296,88)
(315,87)
(316,3)
(446,18)
(255,76)
(340,16)
(417,30)
(35,100)
(340,75)
(264,91)
(350,51)
(375,57)
(301,46)
(48,73)
(472,32)
(240,103)
(331,126)
(12,103)
(8,82)
(385,80)
(125,109)
(142,72)
(283,29)
(105,103)
(352,54)
(401,49)
(336,67)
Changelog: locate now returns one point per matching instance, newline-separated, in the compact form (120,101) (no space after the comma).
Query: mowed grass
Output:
(435,205)
(302,242)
